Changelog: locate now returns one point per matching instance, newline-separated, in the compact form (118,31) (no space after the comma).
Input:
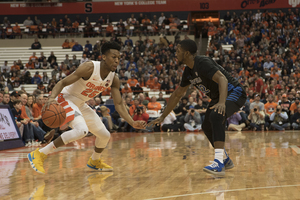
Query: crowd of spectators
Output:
(267,65)
(135,25)
(264,57)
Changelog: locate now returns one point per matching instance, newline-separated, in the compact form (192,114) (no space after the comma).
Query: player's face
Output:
(180,54)
(112,59)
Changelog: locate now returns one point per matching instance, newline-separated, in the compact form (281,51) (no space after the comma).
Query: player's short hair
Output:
(189,45)
(108,46)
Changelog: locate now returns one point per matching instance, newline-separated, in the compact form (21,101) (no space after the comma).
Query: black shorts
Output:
(235,100)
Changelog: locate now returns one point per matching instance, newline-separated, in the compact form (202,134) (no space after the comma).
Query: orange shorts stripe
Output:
(63,104)
(69,109)
(68,119)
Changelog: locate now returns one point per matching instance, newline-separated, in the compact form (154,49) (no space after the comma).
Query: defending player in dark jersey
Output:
(226,93)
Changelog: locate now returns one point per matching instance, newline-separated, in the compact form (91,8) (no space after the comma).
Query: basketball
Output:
(54,116)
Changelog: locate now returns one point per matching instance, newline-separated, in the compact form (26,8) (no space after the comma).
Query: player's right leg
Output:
(37,157)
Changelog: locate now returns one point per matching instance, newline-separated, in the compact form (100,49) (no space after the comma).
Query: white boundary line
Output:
(233,190)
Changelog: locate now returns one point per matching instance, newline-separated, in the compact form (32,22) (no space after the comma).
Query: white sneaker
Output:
(28,144)
(36,144)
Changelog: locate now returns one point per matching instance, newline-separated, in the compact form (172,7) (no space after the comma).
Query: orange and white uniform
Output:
(73,97)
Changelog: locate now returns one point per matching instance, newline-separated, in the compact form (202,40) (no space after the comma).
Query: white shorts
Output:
(75,107)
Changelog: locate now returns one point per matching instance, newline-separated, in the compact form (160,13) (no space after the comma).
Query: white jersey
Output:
(84,90)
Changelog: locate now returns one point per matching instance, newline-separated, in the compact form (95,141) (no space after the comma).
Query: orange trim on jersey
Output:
(62,102)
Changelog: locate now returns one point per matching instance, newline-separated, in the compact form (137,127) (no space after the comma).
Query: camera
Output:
(192,111)
(255,109)
(139,110)
(277,110)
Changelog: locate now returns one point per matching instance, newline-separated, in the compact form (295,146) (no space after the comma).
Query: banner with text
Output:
(141,6)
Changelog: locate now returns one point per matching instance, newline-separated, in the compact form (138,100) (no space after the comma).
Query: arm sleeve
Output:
(184,81)
(284,115)
(272,116)
(197,118)
(239,117)
(186,118)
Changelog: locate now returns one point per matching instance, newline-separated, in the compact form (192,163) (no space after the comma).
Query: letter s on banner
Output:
(88,7)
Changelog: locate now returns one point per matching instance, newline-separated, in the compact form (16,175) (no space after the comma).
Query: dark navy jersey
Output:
(201,77)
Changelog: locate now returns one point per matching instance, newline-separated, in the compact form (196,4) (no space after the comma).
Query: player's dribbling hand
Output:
(156,121)
(47,104)
(219,108)
(139,124)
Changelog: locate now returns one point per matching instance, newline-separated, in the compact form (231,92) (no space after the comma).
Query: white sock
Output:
(225,154)
(48,149)
(96,156)
(219,155)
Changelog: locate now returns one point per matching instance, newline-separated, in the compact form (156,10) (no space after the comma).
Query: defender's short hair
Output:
(110,45)
(189,45)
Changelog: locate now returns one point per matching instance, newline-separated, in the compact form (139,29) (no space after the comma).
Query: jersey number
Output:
(89,93)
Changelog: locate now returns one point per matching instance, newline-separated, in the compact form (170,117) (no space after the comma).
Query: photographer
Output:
(140,115)
(192,121)
(257,118)
(169,123)
(296,119)
(280,119)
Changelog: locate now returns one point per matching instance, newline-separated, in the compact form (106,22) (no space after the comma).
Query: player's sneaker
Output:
(36,159)
(216,168)
(228,164)
(99,165)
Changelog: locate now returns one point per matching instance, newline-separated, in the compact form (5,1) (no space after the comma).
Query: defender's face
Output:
(112,59)
(180,54)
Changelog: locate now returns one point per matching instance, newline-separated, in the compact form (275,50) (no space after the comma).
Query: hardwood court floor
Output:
(160,166)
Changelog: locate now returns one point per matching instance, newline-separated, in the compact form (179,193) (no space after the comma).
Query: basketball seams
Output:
(58,116)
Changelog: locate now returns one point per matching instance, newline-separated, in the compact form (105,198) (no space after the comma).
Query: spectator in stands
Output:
(36,79)
(5,21)
(37,65)
(66,44)
(29,65)
(13,97)
(140,115)
(227,17)
(72,43)
(257,102)
(45,78)
(234,122)
(143,100)
(66,60)
(28,22)
(169,123)
(280,119)
(6,99)
(84,59)
(5,67)
(75,61)
(296,119)
(1,97)
(109,30)
(88,46)
(161,19)
(33,57)
(285,103)
(154,105)
(77,47)
(192,121)
(134,106)
(15,67)
(161,98)
(294,106)
(42,57)
(17,30)
(257,118)
(86,52)
(132,81)
(37,107)
(36,44)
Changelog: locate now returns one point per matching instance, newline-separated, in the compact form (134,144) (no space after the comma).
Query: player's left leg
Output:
(96,127)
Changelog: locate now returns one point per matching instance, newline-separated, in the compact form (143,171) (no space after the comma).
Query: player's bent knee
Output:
(216,118)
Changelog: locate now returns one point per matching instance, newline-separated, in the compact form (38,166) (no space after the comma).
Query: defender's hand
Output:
(220,108)
(156,121)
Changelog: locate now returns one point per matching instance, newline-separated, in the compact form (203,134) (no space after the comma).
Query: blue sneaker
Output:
(228,164)
(216,168)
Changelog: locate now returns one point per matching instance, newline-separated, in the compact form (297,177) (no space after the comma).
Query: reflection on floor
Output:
(160,166)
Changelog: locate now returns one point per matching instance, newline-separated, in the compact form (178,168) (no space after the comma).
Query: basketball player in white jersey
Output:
(90,79)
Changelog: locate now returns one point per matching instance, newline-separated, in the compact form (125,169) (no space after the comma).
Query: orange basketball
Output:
(54,116)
